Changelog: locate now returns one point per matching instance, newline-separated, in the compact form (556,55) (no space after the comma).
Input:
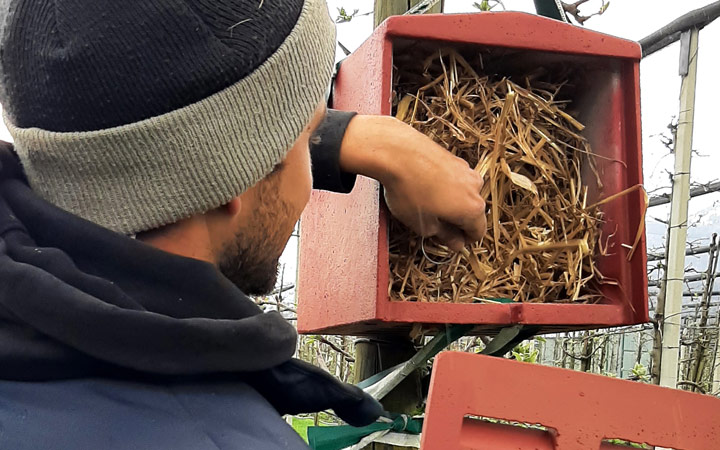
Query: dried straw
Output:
(543,236)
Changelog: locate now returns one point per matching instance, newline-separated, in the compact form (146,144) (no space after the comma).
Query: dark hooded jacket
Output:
(108,343)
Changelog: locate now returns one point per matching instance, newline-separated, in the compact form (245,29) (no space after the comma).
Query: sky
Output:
(660,87)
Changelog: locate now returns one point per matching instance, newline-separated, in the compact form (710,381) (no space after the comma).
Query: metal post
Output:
(679,212)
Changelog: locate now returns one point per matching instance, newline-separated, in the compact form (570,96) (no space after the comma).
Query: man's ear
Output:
(233,207)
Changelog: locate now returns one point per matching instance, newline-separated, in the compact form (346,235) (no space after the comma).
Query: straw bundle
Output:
(543,235)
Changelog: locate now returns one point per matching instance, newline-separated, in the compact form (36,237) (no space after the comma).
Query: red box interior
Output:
(343,273)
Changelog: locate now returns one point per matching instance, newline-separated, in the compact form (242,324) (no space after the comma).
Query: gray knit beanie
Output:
(138,113)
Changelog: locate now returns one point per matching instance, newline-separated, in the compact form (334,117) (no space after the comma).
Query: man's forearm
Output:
(426,187)
(347,144)
(368,148)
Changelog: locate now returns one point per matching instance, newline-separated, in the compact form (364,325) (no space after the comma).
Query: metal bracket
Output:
(379,385)
(684,65)
(508,338)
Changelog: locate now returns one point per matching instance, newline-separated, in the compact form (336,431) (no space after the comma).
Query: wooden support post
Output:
(372,356)
(669,354)
(656,353)
(387,8)
(377,354)
(701,339)
(715,369)
(587,349)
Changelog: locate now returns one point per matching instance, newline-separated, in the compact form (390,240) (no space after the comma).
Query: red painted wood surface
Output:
(343,272)
(340,243)
(580,410)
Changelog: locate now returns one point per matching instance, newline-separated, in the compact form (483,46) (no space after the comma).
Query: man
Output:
(161,159)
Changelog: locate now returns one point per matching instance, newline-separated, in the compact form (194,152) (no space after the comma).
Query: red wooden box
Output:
(579,411)
(343,262)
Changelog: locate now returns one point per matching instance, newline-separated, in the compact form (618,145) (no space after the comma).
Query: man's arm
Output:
(426,187)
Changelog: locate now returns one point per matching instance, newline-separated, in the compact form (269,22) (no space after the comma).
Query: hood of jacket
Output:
(78,300)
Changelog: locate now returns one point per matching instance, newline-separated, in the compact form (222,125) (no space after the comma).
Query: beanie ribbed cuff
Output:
(157,171)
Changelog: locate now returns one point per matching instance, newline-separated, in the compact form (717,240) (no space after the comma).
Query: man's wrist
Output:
(325,153)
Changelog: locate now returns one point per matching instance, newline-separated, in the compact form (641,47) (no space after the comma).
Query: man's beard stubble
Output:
(249,268)
(251,260)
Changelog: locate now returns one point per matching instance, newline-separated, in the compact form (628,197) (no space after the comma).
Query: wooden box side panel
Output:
(579,409)
(341,234)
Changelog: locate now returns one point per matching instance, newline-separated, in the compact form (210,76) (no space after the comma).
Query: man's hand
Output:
(426,187)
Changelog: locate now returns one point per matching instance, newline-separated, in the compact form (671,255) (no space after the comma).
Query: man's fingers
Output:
(463,228)
(451,236)
(468,214)
(426,225)
(475,224)
(467,208)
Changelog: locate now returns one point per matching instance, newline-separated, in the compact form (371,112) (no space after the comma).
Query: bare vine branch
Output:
(573,9)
